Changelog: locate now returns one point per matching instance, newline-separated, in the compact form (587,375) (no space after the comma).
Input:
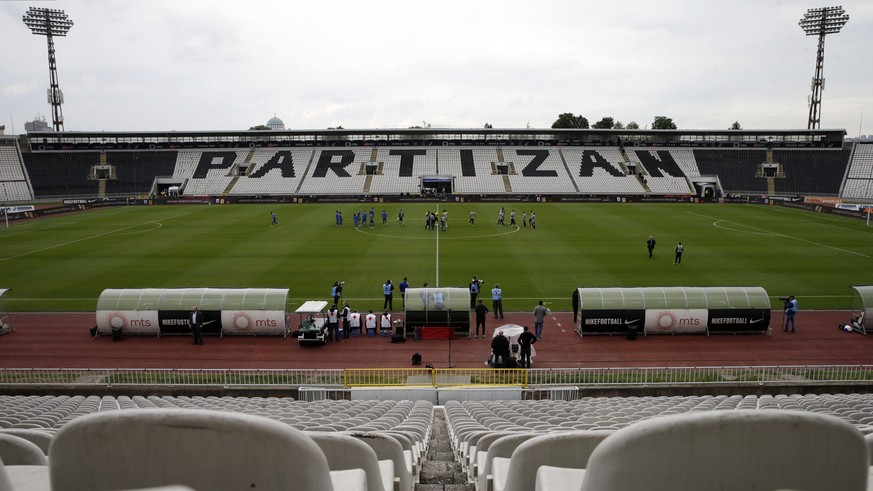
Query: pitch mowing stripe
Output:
(761,231)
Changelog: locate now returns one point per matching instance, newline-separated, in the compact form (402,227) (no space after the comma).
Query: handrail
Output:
(442,377)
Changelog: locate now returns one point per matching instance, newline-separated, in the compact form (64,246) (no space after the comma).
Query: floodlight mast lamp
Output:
(821,22)
(50,23)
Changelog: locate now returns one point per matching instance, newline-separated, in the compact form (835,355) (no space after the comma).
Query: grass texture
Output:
(62,263)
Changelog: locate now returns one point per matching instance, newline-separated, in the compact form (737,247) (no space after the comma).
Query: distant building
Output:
(2,129)
(275,123)
(37,125)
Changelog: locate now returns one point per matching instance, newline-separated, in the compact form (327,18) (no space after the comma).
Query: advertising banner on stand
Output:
(662,321)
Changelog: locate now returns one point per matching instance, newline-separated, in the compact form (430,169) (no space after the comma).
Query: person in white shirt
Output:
(355,322)
(438,301)
(385,324)
(346,326)
(333,323)
(371,323)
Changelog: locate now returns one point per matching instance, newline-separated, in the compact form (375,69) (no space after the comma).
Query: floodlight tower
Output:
(50,23)
(821,22)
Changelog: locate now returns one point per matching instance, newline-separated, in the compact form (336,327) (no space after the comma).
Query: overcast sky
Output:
(151,65)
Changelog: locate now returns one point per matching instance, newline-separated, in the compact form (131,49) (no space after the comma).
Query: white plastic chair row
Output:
(197,448)
(702,451)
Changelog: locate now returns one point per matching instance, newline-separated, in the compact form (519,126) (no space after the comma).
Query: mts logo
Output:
(140,323)
(266,323)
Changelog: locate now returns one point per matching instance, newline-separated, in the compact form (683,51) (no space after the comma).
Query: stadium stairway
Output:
(440,471)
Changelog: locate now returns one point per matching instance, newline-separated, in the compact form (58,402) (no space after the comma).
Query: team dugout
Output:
(670,310)
(438,307)
(159,311)
(863,308)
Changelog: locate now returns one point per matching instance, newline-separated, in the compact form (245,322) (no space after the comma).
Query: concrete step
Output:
(440,471)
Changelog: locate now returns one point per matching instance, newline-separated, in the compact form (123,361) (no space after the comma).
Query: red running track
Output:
(63,341)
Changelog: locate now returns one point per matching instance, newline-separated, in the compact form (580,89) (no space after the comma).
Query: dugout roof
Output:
(439,298)
(865,293)
(676,297)
(185,298)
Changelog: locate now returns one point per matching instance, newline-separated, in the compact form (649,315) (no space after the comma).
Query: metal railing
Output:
(443,377)
(434,377)
(190,377)
(702,375)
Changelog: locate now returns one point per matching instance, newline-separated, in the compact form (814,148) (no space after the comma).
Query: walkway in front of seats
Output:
(63,341)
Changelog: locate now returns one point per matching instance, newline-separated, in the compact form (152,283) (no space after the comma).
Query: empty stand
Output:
(207,172)
(599,170)
(482,170)
(569,450)
(61,174)
(665,171)
(13,182)
(733,450)
(202,449)
(402,169)
(538,170)
(135,171)
(859,184)
(15,450)
(345,452)
(492,440)
(473,169)
(387,448)
(811,171)
(337,171)
(40,438)
(737,168)
(272,172)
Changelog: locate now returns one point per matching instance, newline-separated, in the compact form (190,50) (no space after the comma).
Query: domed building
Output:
(275,123)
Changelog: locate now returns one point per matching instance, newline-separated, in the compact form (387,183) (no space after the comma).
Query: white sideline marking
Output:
(760,231)
(89,238)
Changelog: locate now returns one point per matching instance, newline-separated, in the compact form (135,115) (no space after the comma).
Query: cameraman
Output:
(790,305)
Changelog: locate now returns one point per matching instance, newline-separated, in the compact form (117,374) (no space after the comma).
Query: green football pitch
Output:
(62,263)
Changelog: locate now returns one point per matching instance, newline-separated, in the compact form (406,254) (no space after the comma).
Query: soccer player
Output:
(384,217)
(275,220)
(472,217)
(400,218)
(512,222)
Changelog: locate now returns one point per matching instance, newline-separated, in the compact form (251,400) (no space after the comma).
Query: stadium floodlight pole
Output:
(820,22)
(51,23)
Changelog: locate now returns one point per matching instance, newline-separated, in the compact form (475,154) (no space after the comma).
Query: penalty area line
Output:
(777,234)
(88,238)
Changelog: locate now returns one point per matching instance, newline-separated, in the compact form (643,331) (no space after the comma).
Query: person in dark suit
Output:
(525,340)
(481,313)
(500,350)
(650,245)
(197,325)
